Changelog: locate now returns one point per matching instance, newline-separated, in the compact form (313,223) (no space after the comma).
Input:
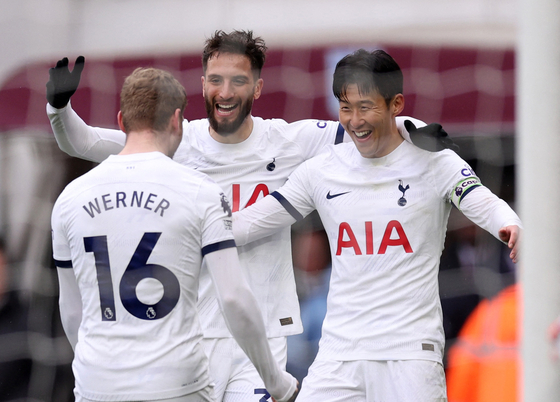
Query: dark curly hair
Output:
(236,42)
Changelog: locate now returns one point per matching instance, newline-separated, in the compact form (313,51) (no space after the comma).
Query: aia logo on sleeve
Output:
(394,236)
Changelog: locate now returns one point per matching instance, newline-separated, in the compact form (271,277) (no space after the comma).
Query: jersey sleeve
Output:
(313,135)
(77,139)
(296,194)
(452,177)
(217,218)
(281,208)
(261,219)
(241,313)
(70,301)
(61,247)
(488,211)
(460,185)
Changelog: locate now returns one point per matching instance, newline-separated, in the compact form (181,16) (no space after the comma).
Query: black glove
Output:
(430,138)
(63,83)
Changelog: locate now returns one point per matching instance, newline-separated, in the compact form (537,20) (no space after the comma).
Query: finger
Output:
(409,126)
(513,237)
(513,254)
(504,235)
(79,65)
(62,63)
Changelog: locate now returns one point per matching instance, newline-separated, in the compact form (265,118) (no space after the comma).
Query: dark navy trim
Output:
(468,190)
(287,206)
(63,264)
(339,134)
(217,246)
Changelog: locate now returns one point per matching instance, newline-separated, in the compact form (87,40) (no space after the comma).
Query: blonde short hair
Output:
(149,97)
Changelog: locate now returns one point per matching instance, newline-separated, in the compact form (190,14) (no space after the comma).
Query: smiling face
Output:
(370,122)
(229,88)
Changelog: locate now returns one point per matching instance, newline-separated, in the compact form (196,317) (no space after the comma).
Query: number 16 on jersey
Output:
(136,271)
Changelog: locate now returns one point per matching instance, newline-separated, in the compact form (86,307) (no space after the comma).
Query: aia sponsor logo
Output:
(393,236)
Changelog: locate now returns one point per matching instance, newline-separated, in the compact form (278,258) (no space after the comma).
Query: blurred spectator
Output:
(311,256)
(15,356)
(34,365)
(482,366)
(473,267)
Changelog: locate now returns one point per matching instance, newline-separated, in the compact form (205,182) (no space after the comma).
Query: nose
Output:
(226,91)
(356,119)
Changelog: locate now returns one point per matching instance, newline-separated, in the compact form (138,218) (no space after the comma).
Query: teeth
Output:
(225,106)
(361,134)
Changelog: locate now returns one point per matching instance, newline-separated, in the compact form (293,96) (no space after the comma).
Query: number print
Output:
(136,271)
(266,396)
(98,246)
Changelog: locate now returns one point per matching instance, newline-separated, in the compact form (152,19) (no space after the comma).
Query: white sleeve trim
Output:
(244,320)
(488,211)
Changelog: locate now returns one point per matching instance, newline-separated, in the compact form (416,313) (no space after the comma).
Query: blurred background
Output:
(458,59)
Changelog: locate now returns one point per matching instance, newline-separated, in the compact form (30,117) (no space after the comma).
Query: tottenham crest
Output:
(402,201)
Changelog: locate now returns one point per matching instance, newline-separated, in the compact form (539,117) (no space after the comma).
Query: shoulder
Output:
(194,127)
(329,156)
(297,128)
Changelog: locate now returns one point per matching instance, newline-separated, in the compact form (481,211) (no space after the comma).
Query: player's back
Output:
(136,225)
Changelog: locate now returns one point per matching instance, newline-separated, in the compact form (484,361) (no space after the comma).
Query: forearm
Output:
(261,219)
(77,139)
(488,211)
(70,304)
(244,320)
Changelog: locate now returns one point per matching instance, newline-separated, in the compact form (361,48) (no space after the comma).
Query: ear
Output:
(119,120)
(176,121)
(203,82)
(258,88)
(397,104)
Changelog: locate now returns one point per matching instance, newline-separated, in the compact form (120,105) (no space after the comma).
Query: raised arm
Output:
(244,321)
(72,134)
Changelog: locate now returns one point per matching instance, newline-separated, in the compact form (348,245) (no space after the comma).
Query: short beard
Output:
(227,128)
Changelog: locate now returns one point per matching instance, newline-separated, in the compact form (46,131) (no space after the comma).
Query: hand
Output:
(63,83)
(294,396)
(510,235)
(430,138)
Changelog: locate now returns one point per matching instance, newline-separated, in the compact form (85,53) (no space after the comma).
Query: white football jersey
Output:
(247,172)
(386,221)
(135,230)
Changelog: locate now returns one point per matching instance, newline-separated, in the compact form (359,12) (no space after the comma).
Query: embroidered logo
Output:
(402,201)
(271,166)
(331,196)
(225,204)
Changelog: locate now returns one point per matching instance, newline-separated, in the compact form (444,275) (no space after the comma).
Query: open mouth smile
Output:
(362,134)
(225,109)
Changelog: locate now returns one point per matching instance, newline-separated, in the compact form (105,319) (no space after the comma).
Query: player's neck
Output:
(240,135)
(144,141)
